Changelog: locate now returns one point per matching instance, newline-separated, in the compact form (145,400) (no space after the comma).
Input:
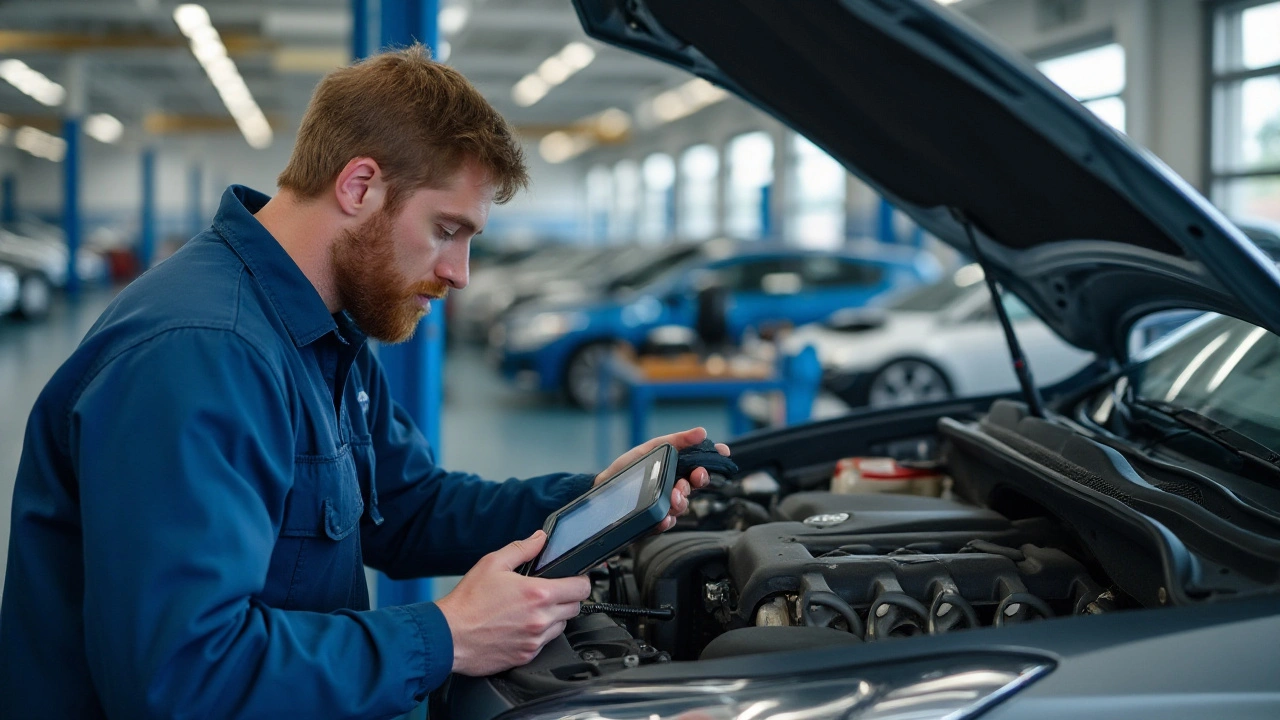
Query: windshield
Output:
(933,298)
(1222,368)
(652,270)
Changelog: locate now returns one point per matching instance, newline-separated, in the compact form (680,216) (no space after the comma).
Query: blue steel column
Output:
(414,369)
(359,29)
(885,231)
(9,199)
(147,222)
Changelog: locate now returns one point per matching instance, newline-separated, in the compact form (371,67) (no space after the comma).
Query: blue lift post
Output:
(147,221)
(414,369)
(885,232)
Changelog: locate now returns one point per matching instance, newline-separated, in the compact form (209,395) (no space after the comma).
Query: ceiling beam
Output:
(170,123)
(14,42)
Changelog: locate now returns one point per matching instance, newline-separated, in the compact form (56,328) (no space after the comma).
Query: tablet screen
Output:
(614,501)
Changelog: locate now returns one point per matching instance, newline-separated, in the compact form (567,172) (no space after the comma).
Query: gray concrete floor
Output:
(489,428)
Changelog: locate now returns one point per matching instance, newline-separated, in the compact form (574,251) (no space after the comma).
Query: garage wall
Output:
(111,185)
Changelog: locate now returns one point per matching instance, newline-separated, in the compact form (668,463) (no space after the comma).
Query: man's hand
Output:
(684,486)
(499,618)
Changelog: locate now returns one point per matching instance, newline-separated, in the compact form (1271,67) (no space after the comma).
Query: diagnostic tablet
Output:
(608,517)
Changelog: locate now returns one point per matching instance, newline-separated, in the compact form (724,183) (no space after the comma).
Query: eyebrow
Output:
(460,220)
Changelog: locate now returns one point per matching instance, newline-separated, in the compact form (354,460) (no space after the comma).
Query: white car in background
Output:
(8,290)
(933,343)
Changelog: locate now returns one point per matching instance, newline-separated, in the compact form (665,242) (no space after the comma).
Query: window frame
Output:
(1082,44)
(1215,178)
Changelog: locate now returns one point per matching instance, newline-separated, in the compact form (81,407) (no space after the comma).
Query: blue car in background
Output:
(558,347)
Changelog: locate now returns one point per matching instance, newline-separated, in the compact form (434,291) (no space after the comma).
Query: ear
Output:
(359,188)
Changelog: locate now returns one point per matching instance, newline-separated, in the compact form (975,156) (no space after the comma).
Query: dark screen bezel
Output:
(649,494)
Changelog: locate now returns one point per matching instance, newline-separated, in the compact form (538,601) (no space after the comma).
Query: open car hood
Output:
(1091,231)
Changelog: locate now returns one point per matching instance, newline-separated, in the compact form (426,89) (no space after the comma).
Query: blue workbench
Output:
(797,377)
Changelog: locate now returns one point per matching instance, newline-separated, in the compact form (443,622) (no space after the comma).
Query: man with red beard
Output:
(204,480)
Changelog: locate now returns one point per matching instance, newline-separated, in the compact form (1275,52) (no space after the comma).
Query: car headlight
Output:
(940,689)
(534,331)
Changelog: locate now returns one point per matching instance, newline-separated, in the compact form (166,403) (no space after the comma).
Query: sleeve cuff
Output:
(570,488)
(436,642)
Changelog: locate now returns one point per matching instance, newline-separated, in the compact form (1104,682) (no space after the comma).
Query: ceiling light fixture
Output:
(453,19)
(612,124)
(104,128)
(32,83)
(208,48)
(680,102)
(605,127)
(558,146)
(40,143)
(551,72)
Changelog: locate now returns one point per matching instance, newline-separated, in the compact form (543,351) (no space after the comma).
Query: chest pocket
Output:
(317,563)
(326,497)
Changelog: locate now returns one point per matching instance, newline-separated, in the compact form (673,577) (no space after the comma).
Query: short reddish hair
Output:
(418,119)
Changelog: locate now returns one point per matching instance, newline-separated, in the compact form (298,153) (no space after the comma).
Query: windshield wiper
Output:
(1241,445)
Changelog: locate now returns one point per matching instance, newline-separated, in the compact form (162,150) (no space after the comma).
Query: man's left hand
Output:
(684,486)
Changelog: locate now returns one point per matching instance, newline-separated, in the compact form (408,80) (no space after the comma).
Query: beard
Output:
(370,286)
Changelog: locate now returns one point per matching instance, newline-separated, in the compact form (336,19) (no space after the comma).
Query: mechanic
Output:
(204,480)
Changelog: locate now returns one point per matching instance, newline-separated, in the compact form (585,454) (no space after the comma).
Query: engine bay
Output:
(768,563)
(903,526)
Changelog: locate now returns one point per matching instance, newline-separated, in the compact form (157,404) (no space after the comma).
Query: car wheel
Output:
(582,376)
(905,382)
(34,297)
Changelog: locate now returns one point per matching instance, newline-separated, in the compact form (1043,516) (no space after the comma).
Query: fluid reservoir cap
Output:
(826,520)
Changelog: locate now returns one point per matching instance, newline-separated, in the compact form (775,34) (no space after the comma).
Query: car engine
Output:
(873,567)
(815,569)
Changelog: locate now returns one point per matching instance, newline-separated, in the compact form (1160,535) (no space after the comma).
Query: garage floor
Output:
(532,435)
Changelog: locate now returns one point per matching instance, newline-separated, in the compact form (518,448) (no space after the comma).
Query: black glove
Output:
(704,455)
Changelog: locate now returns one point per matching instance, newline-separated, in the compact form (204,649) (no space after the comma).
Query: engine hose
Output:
(1020,598)
(958,604)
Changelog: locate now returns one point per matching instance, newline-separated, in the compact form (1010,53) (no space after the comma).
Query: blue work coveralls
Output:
(201,486)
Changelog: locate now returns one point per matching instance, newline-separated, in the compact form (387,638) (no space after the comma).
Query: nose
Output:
(453,265)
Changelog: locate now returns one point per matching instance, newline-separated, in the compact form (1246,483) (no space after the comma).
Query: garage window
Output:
(699,172)
(816,202)
(1245,146)
(624,222)
(657,213)
(1095,77)
(750,174)
(599,202)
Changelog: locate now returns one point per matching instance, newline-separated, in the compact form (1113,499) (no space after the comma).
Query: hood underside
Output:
(1089,230)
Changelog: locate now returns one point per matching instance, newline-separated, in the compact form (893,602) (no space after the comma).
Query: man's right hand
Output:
(501,619)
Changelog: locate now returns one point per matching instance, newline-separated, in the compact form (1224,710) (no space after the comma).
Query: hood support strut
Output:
(1029,391)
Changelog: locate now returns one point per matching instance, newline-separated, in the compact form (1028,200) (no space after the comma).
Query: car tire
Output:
(582,376)
(35,295)
(906,381)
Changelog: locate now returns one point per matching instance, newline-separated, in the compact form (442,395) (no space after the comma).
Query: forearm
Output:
(451,520)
